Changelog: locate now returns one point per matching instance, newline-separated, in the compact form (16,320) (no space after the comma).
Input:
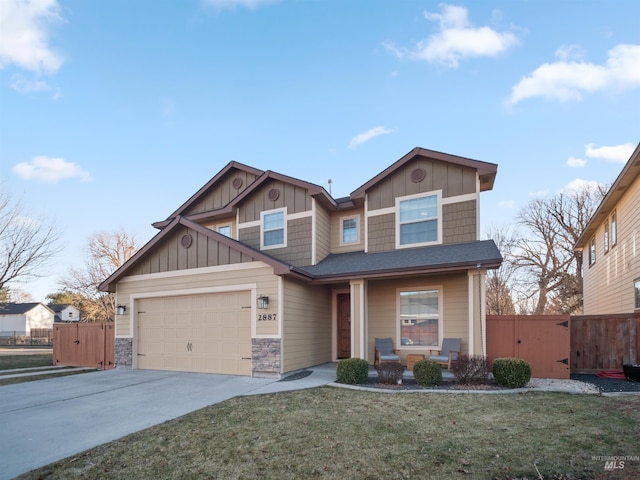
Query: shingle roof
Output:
(432,259)
(17,308)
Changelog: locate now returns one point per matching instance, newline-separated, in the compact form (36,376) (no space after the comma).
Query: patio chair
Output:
(448,353)
(385,352)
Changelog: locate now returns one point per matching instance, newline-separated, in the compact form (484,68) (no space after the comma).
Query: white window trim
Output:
(438,241)
(399,345)
(268,212)
(358,226)
(223,225)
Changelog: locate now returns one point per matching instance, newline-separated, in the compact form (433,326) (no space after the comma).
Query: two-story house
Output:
(261,274)
(610,246)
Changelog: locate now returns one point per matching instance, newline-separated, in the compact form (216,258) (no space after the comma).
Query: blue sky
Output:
(113,113)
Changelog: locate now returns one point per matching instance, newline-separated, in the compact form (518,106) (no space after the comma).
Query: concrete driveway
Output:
(48,420)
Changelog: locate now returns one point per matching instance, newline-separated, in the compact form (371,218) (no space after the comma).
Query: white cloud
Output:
(539,193)
(22,85)
(24,35)
(457,39)
(579,185)
(614,153)
(576,162)
(570,80)
(509,204)
(368,135)
(232,4)
(49,170)
(566,52)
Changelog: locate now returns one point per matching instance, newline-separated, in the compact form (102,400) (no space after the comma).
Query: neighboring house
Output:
(21,318)
(65,312)
(610,247)
(261,274)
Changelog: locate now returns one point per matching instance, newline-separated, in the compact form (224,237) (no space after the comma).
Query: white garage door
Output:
(196,333)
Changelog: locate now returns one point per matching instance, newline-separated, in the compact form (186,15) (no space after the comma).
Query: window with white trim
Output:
(606,236)
(419,220)
(636,291)
(273,232)
(225,230)
(614,229)
(349,231)
(419,317)
(592,251)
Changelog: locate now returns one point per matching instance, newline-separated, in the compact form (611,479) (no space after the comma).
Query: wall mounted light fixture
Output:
(120,309)
(263,302)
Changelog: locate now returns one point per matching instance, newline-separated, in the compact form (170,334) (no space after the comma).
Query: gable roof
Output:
(486,171)
(279,266)
(19,308)
(420,260)
(627,176)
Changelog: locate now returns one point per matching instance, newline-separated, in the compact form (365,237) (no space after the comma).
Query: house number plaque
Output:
(267,317)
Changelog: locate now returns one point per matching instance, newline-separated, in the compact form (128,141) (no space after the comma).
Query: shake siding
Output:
(382,233)
(266,283)
(223,192)
(383,316)
(608,284)
(459,222)
(306,326)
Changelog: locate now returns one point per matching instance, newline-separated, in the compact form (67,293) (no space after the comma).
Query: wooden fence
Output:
(541,340)
(84,345)
(604,342)
(557,345)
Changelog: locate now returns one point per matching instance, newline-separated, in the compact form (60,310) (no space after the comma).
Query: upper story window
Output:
(614,228)
(273,232)
(225,230)
(592,251)
(419,220)
(636,288)
(606,236)
(349,231)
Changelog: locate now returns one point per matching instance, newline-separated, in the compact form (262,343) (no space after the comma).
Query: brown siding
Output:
(169,255)
(306,326)
(382,233)
(459,222)
(222,193)
(296,200)
(323,233)
(336,231)
(453,180)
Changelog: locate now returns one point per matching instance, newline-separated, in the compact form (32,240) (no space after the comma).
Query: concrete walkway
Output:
(52,419)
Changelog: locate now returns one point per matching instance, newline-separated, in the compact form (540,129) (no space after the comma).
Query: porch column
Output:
(358,290)
(477,312)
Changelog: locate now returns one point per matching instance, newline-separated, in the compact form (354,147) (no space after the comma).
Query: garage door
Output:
(196,333)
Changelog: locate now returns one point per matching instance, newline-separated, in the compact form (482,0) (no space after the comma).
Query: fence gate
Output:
(84,345)
(543,341)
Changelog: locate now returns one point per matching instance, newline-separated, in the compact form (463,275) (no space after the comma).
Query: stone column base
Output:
(124,352)
(266,357)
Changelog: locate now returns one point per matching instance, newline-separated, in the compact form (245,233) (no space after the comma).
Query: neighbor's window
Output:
(273,232)
(636,288)
(349,226)
(606,236)
(592,251)
(418,218)
(614,229)
(419,312)
(225,230)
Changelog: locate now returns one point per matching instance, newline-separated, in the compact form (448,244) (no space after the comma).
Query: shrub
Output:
(511,372)
(389,372)
(427,373)
(352,371)
(472,369)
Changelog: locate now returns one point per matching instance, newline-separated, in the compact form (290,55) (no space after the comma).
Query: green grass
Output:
(11,362)
(338,433)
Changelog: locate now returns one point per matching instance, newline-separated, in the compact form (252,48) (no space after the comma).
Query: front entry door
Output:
(344,325)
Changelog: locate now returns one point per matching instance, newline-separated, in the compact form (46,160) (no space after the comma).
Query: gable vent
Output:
(237,183)
(186,240)
(418,175)
(274,194)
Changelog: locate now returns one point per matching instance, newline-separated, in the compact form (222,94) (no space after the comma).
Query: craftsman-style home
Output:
(261,274)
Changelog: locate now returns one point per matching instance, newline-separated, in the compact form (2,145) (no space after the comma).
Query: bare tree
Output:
(545,254)
(27,243)
(500,282)
(106,252)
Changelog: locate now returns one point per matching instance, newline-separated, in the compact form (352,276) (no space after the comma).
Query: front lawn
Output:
(11,362)
(338,433)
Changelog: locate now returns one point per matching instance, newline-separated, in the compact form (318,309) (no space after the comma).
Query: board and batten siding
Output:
(608,284)
(211,279)
(294,198)
(383,314)
(323,233)
(306,325)
(223,192)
